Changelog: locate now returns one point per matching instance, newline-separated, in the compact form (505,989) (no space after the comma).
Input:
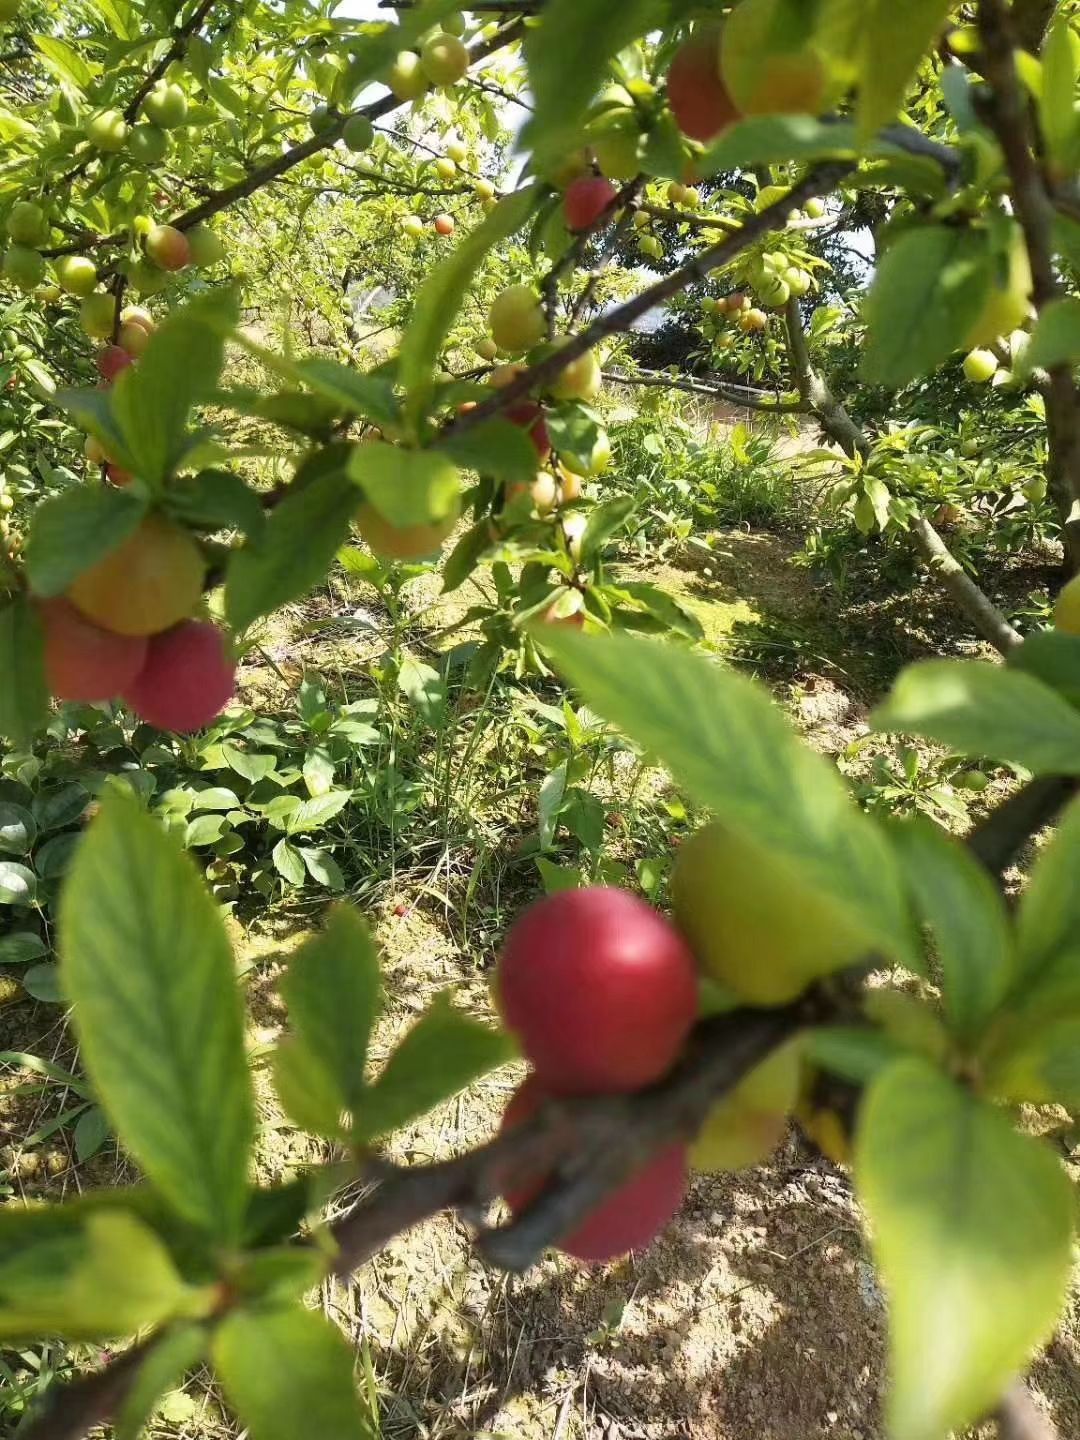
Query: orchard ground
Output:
(756,1317)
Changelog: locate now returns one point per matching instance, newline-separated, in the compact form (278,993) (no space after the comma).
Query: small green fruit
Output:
(77,274)
(444,59)
(359,133)
(517,319)
(980,366)
(25,268)
(406,79)
(746,1126)
(166,106)
(26,223)
(147,145)
(97,314)
(1067,609)
(107,131)
(207,248)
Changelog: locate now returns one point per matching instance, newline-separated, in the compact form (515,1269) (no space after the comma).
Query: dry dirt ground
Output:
(756,1317)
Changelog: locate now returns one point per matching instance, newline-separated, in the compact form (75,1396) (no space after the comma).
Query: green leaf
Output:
(1056,337)
(425,688)
(568,59)
(893,39)
(465,556)
(1059,123)
(20,947)
(91,1132)
(971,1228)
(18,830)
(778,139)
(92,412)
(42,983)
(88,1276)
(732,751)
(855,1053)
(323,868)
(333,991)
(313,814)
(75,530)
(289,1372)
(443,1052)
(1054,658)
(288,864)
(269,572)
(307,1090)
(956,898)
(441,295)
(927,293)
(18,885)
(985,710)
(606,520)
(59,805)
(216,500)
(370,395)
(64,61)
(406,487)
(24,699)
(168,1360)
(496,447)
(149,969)
(651,600)
(152,401)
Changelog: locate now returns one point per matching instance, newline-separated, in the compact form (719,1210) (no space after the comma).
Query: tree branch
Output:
(622,317)
(999,840)
(839,426)
(1009,116)
(1019,1418)
(742,395)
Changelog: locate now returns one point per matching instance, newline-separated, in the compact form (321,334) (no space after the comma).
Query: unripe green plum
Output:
(76,274)
(746,1126)
(651,245)
(600,990)
(402,542)
(599,460)
(980,366)
(753,922)
(187,680)
(25,268)
(1035,490)
(406,79)
(166,106)
(454,23)
(815,208)
(444,59)
(799,282)
(148,583)
(26,223)
(517,319)
(321,119)
(1067,608)
(359,133)
(413,226)
(630,1218)
(107,131)
(486,348)
(206,247)
(145,278)
(97,315)
(445,168)
(147,145)
(83,662)
(616,142)
(483,189)
(168,248)
(456,149)
(580,380)
(773,291)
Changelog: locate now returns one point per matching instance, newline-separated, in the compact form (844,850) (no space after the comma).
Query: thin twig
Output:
(743,395)
(1000,839)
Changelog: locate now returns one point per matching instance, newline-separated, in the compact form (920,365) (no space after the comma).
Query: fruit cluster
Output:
(123,631)
(602,992)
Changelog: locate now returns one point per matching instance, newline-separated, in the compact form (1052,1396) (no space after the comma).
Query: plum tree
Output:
(147,145)
(444,59)
(600,989)
(25,268)
(402,542)
(97,314)
(166,106)
(768,63)
(517,318)
(107,131)
(1067,608)
(631,1217)
(746,1126)
(83,662)
(26,223)
(206,246)
(980,366)
(168,247)
(580,380)
(585,201)
(77,274)
(146,584)
(699,99)
(753,922)
(187,680)
(358,134)
(406,77)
